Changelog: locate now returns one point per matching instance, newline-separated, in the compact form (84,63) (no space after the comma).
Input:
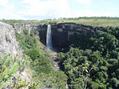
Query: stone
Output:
(8,43)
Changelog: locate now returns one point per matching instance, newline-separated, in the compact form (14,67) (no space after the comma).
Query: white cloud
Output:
(3,2)
(46,8)
(84,2)
(41,9)
(8,10)
(89,13)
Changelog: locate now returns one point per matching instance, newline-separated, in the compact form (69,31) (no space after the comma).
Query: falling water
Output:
(49,38)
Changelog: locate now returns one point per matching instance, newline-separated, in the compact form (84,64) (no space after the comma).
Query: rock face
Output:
(8,43)
(19,27)
(62,33)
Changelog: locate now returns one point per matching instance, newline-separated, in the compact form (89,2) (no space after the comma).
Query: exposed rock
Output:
(8,43)
(61,32)
(19,27)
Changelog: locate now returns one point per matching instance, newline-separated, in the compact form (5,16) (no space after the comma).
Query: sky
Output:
(49,9)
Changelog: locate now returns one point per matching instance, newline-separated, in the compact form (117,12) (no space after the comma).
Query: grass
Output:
(94,21)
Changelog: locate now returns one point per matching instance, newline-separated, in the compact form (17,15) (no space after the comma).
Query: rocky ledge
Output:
(8,43)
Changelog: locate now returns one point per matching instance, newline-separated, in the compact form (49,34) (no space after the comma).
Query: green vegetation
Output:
(93,60)
(44,76)
(8,68)
(94,21)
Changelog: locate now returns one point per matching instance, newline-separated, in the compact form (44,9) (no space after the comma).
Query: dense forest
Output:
(92,61)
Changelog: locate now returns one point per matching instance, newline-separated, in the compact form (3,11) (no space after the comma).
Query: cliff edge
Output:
(8,43)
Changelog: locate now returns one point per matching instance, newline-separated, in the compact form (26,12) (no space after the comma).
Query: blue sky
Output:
(46,9)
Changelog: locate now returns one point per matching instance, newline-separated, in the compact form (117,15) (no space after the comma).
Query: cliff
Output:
(8,43)
(62,33)
(12,70)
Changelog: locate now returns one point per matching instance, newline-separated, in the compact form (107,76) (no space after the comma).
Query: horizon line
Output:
(81,17)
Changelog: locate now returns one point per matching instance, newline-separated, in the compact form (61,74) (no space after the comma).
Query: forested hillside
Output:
(92,61)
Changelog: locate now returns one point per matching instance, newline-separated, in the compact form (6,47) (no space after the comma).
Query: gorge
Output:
(88,56)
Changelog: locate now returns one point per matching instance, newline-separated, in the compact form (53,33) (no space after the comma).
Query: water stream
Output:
(49,38)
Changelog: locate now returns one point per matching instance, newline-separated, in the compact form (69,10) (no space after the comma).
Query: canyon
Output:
(62,33)
(72,48)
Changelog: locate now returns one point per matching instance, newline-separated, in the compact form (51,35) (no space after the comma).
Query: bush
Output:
(8,67)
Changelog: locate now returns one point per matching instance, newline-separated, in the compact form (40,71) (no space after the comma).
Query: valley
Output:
(59,55)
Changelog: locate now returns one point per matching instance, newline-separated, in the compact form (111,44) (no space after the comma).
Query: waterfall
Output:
(49,38)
